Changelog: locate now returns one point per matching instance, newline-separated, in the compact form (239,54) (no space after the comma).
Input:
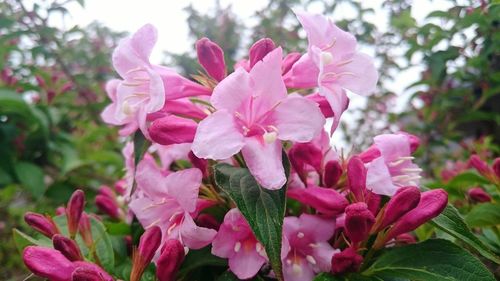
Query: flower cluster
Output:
(270,104)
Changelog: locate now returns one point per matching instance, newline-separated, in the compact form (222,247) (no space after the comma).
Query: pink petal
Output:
(321,229)
(264,162)
(364,77)
(338,101)
(245,264)
(298,119)
(150,179)
(231,92)
(184,186)
(217,137)
(144,40)
(193,236)
(303,74)
(393,146)
(300,272)
(323,254)
(378,178)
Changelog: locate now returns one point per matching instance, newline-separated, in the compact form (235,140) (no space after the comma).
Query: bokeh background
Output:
(439,79)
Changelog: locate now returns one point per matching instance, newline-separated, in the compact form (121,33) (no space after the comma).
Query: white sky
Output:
(170,19)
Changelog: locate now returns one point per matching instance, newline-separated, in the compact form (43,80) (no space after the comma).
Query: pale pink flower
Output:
(236,241)
(394,168)
(305,251)
(170,201)
(332,63)
(253,114)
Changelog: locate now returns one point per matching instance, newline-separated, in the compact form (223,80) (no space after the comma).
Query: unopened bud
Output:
(171,258)
(199,163)
(496,167)
(358,222)
(211,57)
(332,173)
(41,223)
(303,154)
(172,130)
(370,154)
(323,104)
(67,247)
(346,261)
(326,200)
(431,204)
(356,176)
(148,244)
(108,206)
(85,230)
(405,239)
(86,271)
(479,195)
(260,49)
(405,199)
(106,191)
(481,166)
(74,211)
(207,221)
(47,263)
(289,61)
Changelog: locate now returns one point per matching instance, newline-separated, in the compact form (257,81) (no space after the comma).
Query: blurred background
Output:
(439,79)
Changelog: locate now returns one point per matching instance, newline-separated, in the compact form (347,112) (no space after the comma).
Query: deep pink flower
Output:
(332,63)
(168,202)
(394,168)
(305,250)
(346,261)
(327,201)
(253,113)
(236,241)
(358,221)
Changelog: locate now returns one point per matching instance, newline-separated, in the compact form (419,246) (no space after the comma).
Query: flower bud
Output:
(108,206)
(431,204)
(172,130)
(86,271)
(496,167)
(325,200)
(148,244)
(346,261)
(207,221)
(74,211)
(332,173)
(323,104)
(373,201)
(358,221)
(481,166)
(41,223)
(405,239)
(413,140)
(172,255)
(288,61)
(356,176)
(211,57)
(479,195)
(66,87)
(405,199)
(67,247)
(60,211)
(371,153)
(260,49)
(85,230)
(199,163)
(48,263)
(106,191)
(303,154)
(40,80)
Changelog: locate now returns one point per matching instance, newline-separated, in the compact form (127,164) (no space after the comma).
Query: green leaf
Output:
(485,214)
(23,240)
(31,177)
(103,246)
(264,209)
(199,258)
(141,144)
(431,260)
(229,276)
(451,222)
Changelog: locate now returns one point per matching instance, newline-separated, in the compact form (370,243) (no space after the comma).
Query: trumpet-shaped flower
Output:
(305,249)
(393,169)
(253,114)
(169,202)
(236,241)
(332,63)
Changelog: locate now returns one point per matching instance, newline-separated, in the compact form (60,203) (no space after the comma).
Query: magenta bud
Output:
(74,211)
(370,154)
(148,244)
(207,221)
(108,206)
(479,195)
(413,140)
(171,258)
(48,263)
(86,271)
(106,191)
(431,204)
(172,130)
(40,81)
(373,202)
(356,176)
(405,199)
(303,154)
(496,167)
(325,200)
(211,57)
(323,104)
(199,163)
(405,239)
(85,230)
(66,87)
(260,49)
(480,166)
(346,261)
(289,61)
(332,173)
(67,247)
(358,221)
(60,211)
(41,223)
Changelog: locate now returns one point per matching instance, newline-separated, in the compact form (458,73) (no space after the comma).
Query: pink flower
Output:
(327,201)
(169,202)
(305,251)
(393,169)
(253,113)
(332,63)
(236,241)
